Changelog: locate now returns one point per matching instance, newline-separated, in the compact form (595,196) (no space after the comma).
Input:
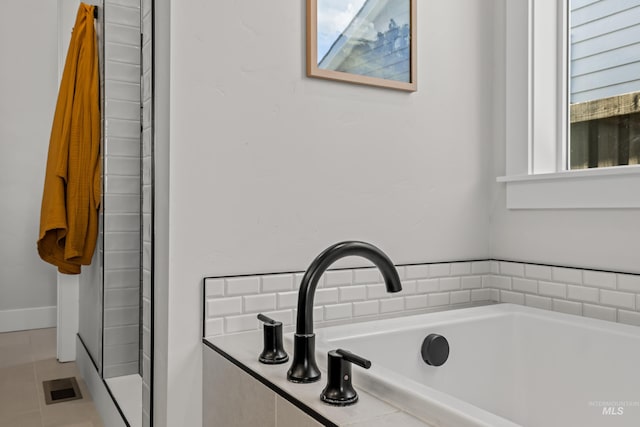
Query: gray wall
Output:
(29,87)
(269,167)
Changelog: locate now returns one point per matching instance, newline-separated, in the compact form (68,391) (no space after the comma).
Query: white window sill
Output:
(602,188)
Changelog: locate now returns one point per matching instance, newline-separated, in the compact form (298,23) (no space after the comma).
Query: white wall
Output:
(29,85)
(268,167)
(605,239)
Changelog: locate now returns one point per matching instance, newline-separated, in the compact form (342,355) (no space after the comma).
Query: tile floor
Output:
(26,359)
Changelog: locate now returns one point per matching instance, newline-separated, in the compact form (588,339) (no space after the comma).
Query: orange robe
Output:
(71,196)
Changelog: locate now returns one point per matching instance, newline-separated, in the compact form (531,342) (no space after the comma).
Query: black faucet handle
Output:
(268,320)
(354,358)
(339,390)
(273,352)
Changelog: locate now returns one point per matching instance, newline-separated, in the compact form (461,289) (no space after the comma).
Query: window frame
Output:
(537,175)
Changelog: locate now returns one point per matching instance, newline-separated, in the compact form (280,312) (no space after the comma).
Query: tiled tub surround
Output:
(258,394)
(348,295)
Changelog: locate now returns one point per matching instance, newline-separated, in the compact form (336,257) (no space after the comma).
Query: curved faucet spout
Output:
(304,368)
(304,322)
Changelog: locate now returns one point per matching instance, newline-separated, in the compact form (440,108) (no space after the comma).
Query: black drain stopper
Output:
(435,349)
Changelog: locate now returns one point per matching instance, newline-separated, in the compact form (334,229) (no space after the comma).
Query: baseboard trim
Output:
(28,318)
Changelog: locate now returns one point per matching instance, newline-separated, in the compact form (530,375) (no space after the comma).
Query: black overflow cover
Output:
(435,349)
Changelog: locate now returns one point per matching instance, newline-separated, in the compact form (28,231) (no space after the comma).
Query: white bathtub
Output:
(508,365)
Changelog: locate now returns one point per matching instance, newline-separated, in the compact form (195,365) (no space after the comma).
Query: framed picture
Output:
(369,42)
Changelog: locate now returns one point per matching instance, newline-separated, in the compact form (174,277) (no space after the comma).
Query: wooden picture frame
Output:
(373,49)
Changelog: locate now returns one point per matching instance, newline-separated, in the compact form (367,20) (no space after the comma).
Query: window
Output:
(604,72)
(539,124)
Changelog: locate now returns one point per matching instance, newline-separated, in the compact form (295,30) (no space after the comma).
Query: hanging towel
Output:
(71,196)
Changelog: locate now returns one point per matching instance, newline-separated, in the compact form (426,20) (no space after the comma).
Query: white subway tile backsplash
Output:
(121,278)
(214,287)
(480,294)
(121,222)
(277,282)
(583,293)
(377,291)
(224,306)
(288,299)
(409,287)
(427,285)
(344,294)
(599,278)
(481,267)
(214,327)
(511,269)
(472,282)
(121,316)
(439,299)
(126,92)
(538,302)
(121,335)
(392,304)
(366,308)
(494,267)
(417,271)
(568,307)
(439,270)
(246,322)
(415,302)
(338,278)
(126,110)
(460,297)
(494,281)
(628,282)
(541,272)
(120,354)
(558,290)
(450,283)
(460,268)
(297,280)
(629,317)
(326,296)
(122,260)
(525,285)
(122,297)
(618,299)
(512,297)
(599,312)
(256,303)
(123,15)
(566,275)
(121,241)
(338,311)
(366,276)
(121,34)
(353,293)
(243,285)
(120,128)
(124,53)
(115,184)
(125,147)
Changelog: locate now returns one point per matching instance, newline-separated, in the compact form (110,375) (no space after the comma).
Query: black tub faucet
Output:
(304,368)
